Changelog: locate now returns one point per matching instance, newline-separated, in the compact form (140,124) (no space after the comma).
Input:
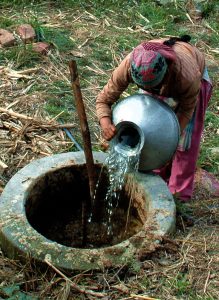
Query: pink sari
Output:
(180,173)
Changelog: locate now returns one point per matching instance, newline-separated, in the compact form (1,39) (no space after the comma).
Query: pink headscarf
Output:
(149,63)
(164,50)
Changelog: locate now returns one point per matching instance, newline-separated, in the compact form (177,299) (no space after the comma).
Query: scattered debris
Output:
(215,151)
(3,167)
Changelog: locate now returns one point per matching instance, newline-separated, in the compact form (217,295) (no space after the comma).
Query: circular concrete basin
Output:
(41,215)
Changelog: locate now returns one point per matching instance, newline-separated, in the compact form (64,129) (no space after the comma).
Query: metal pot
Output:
(148,126)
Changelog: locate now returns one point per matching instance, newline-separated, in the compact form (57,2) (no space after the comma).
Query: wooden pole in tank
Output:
(84,127)
(87,144)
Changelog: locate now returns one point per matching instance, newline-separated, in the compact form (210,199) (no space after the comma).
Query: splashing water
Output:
(118,164)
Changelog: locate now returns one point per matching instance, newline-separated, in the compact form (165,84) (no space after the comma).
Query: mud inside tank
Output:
(58,206)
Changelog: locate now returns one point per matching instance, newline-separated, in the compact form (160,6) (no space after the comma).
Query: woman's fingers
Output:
(109,132)
(108,128)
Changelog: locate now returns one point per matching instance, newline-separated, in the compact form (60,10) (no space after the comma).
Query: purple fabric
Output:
(180,174)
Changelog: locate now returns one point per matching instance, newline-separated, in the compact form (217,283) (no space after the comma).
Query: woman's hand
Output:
(108,129)
(183,121)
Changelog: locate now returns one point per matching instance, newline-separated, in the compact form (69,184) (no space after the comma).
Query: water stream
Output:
(122,158)
(118,165)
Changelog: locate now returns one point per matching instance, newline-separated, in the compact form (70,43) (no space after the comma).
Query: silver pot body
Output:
(151,126)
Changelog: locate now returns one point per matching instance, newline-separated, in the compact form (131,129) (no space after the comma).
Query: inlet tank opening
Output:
(129,137)
(128,141)
(54,209)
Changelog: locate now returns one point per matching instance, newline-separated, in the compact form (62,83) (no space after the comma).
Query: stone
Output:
(6,38)
(26,32)
(206,184)
(18,239)
(41,47)
(215,152)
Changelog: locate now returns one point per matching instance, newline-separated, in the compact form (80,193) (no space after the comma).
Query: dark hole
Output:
(129,137)
(54,207)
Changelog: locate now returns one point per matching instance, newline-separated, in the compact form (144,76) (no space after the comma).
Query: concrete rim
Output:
(18,238)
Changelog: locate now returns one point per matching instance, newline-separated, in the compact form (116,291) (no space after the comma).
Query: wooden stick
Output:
(75,286)
(27,118)
(14,114)
(143,297)
(84,127)
(87,145)
(206,282)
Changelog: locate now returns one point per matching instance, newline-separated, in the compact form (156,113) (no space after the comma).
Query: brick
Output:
(41,47)
(26,32)
(6,38)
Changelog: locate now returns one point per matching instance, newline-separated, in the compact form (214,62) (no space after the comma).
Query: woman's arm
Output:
(111,92)
(187,102)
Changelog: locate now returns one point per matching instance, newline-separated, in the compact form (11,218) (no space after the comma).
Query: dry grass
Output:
(27,131)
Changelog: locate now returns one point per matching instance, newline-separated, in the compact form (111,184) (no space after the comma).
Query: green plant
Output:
(21,55)
(5,22)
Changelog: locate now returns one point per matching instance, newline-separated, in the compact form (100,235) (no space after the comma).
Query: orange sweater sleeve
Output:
(188,97)
(189,69)
(111,92)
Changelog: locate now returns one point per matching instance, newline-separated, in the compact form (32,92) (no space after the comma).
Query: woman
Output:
(169,69)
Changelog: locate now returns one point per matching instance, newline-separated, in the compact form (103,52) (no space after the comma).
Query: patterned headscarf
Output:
(148,63)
